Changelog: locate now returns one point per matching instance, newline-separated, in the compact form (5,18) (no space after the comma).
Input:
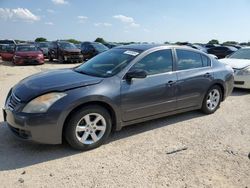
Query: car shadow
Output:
(240,92)
(7,63)
(15,153)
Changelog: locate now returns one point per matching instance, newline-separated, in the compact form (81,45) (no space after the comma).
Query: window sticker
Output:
(128,52)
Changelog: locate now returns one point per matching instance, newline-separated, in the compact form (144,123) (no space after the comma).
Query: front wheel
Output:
(88,128)
(212,100)
(50,57)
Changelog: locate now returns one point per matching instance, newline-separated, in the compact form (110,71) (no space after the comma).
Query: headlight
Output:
(17,57)
(42,103)
(40,55)
(244,72)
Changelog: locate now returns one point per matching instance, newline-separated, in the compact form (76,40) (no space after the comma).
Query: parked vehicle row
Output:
(119,87)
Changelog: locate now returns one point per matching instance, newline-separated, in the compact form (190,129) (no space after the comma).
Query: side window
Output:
(188,60)
(206,61)
(155,63)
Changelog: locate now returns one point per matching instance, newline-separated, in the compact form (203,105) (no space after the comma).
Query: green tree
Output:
(40,39)
(101,40)
(74,41)
(213,41)
(230,43)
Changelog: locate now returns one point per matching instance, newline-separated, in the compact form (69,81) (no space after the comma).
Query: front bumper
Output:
(242,82)
(39,128)
(73,58)
(33,61)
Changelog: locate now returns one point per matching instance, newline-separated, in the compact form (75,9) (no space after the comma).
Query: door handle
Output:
(171,83)
(207,75)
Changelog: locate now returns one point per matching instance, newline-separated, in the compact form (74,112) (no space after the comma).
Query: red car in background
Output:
(7,52)
(28,54)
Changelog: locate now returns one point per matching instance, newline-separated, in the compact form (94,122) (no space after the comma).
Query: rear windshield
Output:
(26,48)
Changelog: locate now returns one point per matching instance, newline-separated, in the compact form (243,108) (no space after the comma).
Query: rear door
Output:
(194,75)
(154,94)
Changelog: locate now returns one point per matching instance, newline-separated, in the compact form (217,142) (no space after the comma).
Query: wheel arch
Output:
(222,87)
(107,106)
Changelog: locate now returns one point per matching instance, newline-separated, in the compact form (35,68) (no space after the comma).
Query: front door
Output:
(154,94)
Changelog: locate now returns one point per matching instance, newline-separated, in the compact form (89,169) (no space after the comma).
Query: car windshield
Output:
(8,48)
(43,45)
(26,48)
(100,47)
(108,63)
(67,45)
(241,54)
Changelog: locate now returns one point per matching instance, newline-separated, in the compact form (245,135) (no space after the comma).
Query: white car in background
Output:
(240,62)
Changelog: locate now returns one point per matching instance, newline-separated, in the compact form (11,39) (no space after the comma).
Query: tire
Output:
(60,59)
(78,129)
(50,58)
(214,94)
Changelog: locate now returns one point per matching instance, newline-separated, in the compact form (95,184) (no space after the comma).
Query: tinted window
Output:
(206,61)
(156,62)
(188,60)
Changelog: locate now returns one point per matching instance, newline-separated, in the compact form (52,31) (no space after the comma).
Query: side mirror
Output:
(137,73)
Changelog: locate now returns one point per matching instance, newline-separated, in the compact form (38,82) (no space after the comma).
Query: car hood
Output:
(52,81)
(236,63)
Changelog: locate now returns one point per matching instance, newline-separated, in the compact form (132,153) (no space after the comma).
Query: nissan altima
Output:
(120,87)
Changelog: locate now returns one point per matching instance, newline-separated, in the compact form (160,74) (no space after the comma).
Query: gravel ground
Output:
(213,150)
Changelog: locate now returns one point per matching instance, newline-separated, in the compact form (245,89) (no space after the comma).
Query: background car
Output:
(91,49)
(44,47)
(65,52)
(222,51)
(8,41)
(240,62)
(27,54)
(7,52)
(120,87)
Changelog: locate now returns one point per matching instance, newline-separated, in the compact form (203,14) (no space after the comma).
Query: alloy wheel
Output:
(90,128)
(213,99)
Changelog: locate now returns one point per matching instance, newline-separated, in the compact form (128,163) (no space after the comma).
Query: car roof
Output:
(145,47)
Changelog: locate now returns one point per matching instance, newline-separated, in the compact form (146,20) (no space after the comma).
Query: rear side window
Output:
(188,60)
(206,61)
(155,63)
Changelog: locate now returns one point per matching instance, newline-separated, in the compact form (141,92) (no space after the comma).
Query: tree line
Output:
(101,40)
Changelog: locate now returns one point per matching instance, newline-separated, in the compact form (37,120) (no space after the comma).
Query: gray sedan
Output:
(120,87)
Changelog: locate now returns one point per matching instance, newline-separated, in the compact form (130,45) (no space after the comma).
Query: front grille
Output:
(13,101)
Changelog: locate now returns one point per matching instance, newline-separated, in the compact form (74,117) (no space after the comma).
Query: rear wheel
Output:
(88,128)
(212,100)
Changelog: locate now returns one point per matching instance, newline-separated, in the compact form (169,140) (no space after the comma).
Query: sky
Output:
(126,20)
